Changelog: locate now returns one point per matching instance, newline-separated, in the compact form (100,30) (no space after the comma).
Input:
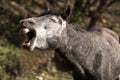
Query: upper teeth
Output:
(26,30)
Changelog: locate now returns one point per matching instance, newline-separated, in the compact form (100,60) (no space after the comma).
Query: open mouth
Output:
(29,36)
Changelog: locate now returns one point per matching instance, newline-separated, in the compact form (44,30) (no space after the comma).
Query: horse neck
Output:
(71,32)
(75,31)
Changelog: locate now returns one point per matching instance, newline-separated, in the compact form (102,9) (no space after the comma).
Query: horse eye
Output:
(53,20)
(45,27)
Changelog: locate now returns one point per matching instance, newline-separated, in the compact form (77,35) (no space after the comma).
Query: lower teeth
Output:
(28,44)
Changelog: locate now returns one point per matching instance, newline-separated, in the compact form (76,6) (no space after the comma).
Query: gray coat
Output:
(94,54)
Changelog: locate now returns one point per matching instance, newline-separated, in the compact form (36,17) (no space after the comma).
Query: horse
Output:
(93,54)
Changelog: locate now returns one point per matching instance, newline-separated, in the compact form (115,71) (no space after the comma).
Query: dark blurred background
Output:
(17,63)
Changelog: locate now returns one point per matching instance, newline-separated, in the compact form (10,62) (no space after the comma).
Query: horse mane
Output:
(75,27)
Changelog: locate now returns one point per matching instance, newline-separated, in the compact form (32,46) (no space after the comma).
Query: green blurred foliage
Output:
(9,63)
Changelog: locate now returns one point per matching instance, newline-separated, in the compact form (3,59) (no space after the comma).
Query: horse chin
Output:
(32,47)
(42,48)
(32,44)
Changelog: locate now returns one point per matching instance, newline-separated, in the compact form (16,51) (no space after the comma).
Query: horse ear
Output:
(66,12)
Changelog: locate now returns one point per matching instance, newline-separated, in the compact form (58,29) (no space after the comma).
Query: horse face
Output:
(43,32)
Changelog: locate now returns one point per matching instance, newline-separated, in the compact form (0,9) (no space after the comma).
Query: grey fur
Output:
(96,51)
(93,54)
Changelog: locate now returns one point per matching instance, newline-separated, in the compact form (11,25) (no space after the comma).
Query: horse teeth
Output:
(28,44)
(26,30)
